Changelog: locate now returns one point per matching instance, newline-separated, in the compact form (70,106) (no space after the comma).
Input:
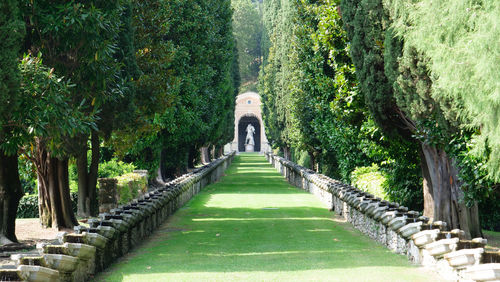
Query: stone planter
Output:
(106,231)
(10,274)
(119,224)
(484,272)
(36,273)
(410,229)
(397,223)
(82,251)
(379,212)
(441,247)
(464,258)
(425,237)
(62,263)
(387,216)
(95,240)
(370,209)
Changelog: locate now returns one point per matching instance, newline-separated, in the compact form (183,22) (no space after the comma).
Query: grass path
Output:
(254,226)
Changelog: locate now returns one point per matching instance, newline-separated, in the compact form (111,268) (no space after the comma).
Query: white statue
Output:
(250,132)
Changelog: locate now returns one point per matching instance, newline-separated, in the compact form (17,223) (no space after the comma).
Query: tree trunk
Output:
(54,201)
(192,156)
(287,153)
(11,192)
(313,161)
(162,169)
(443,196)
(205,155)
(218,151)
(87,178)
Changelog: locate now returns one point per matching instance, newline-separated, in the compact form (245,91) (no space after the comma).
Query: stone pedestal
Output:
(249,148)
(107,194)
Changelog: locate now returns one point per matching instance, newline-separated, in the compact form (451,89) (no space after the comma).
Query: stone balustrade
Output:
(422,240)
(89,250)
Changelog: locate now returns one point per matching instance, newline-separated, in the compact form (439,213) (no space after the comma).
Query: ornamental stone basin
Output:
(491,256)
(128,218)
(62,263)
(106,231)
(363,204)
(120,225)
(484,272)
(379,211)
(425,237)
(36,273)
(410,229)
(372,207)
(134,216)
(441,247)
(95,239)
(464,258)
(433,225)
(10,274)
(397,222)
(27,259)
(388,216)
(72,238)
(81,251)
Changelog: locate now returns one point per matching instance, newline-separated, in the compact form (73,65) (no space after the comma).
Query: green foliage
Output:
(47,108)
(247,28)
(370,179)
(11,34)
(131,185)
(27,175)
(185,52)
(114,168)
(313,103)
(301,158)
(28,206)
(460,38)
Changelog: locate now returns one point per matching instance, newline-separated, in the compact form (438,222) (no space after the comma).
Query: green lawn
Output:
(253,226)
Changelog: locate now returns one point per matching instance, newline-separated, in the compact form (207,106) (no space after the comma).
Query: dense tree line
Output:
(357,82)
(247,27)
(153,81)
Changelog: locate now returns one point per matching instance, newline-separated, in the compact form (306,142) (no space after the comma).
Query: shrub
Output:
(114,168)
(28,206)
(130,186)
(370,179)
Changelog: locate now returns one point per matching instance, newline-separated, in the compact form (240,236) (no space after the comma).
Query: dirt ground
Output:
(29,232)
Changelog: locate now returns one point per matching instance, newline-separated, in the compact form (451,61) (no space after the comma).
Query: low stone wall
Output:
(405,232)
(88,250)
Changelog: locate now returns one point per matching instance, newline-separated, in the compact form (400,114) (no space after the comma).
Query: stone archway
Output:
(248,110)
(242,125)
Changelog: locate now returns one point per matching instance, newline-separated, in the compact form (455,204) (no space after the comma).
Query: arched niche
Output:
(242,126)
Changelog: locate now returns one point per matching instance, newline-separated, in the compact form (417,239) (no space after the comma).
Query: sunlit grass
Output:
(253,226)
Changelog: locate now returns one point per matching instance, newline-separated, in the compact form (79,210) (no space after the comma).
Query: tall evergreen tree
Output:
(11,34)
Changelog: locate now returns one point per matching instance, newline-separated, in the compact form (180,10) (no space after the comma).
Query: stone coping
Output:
(88,250)
(422,240)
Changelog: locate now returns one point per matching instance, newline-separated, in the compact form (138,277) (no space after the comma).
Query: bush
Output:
(114,168)
(130,186)
(370,179)
(28,206)
(109,169)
